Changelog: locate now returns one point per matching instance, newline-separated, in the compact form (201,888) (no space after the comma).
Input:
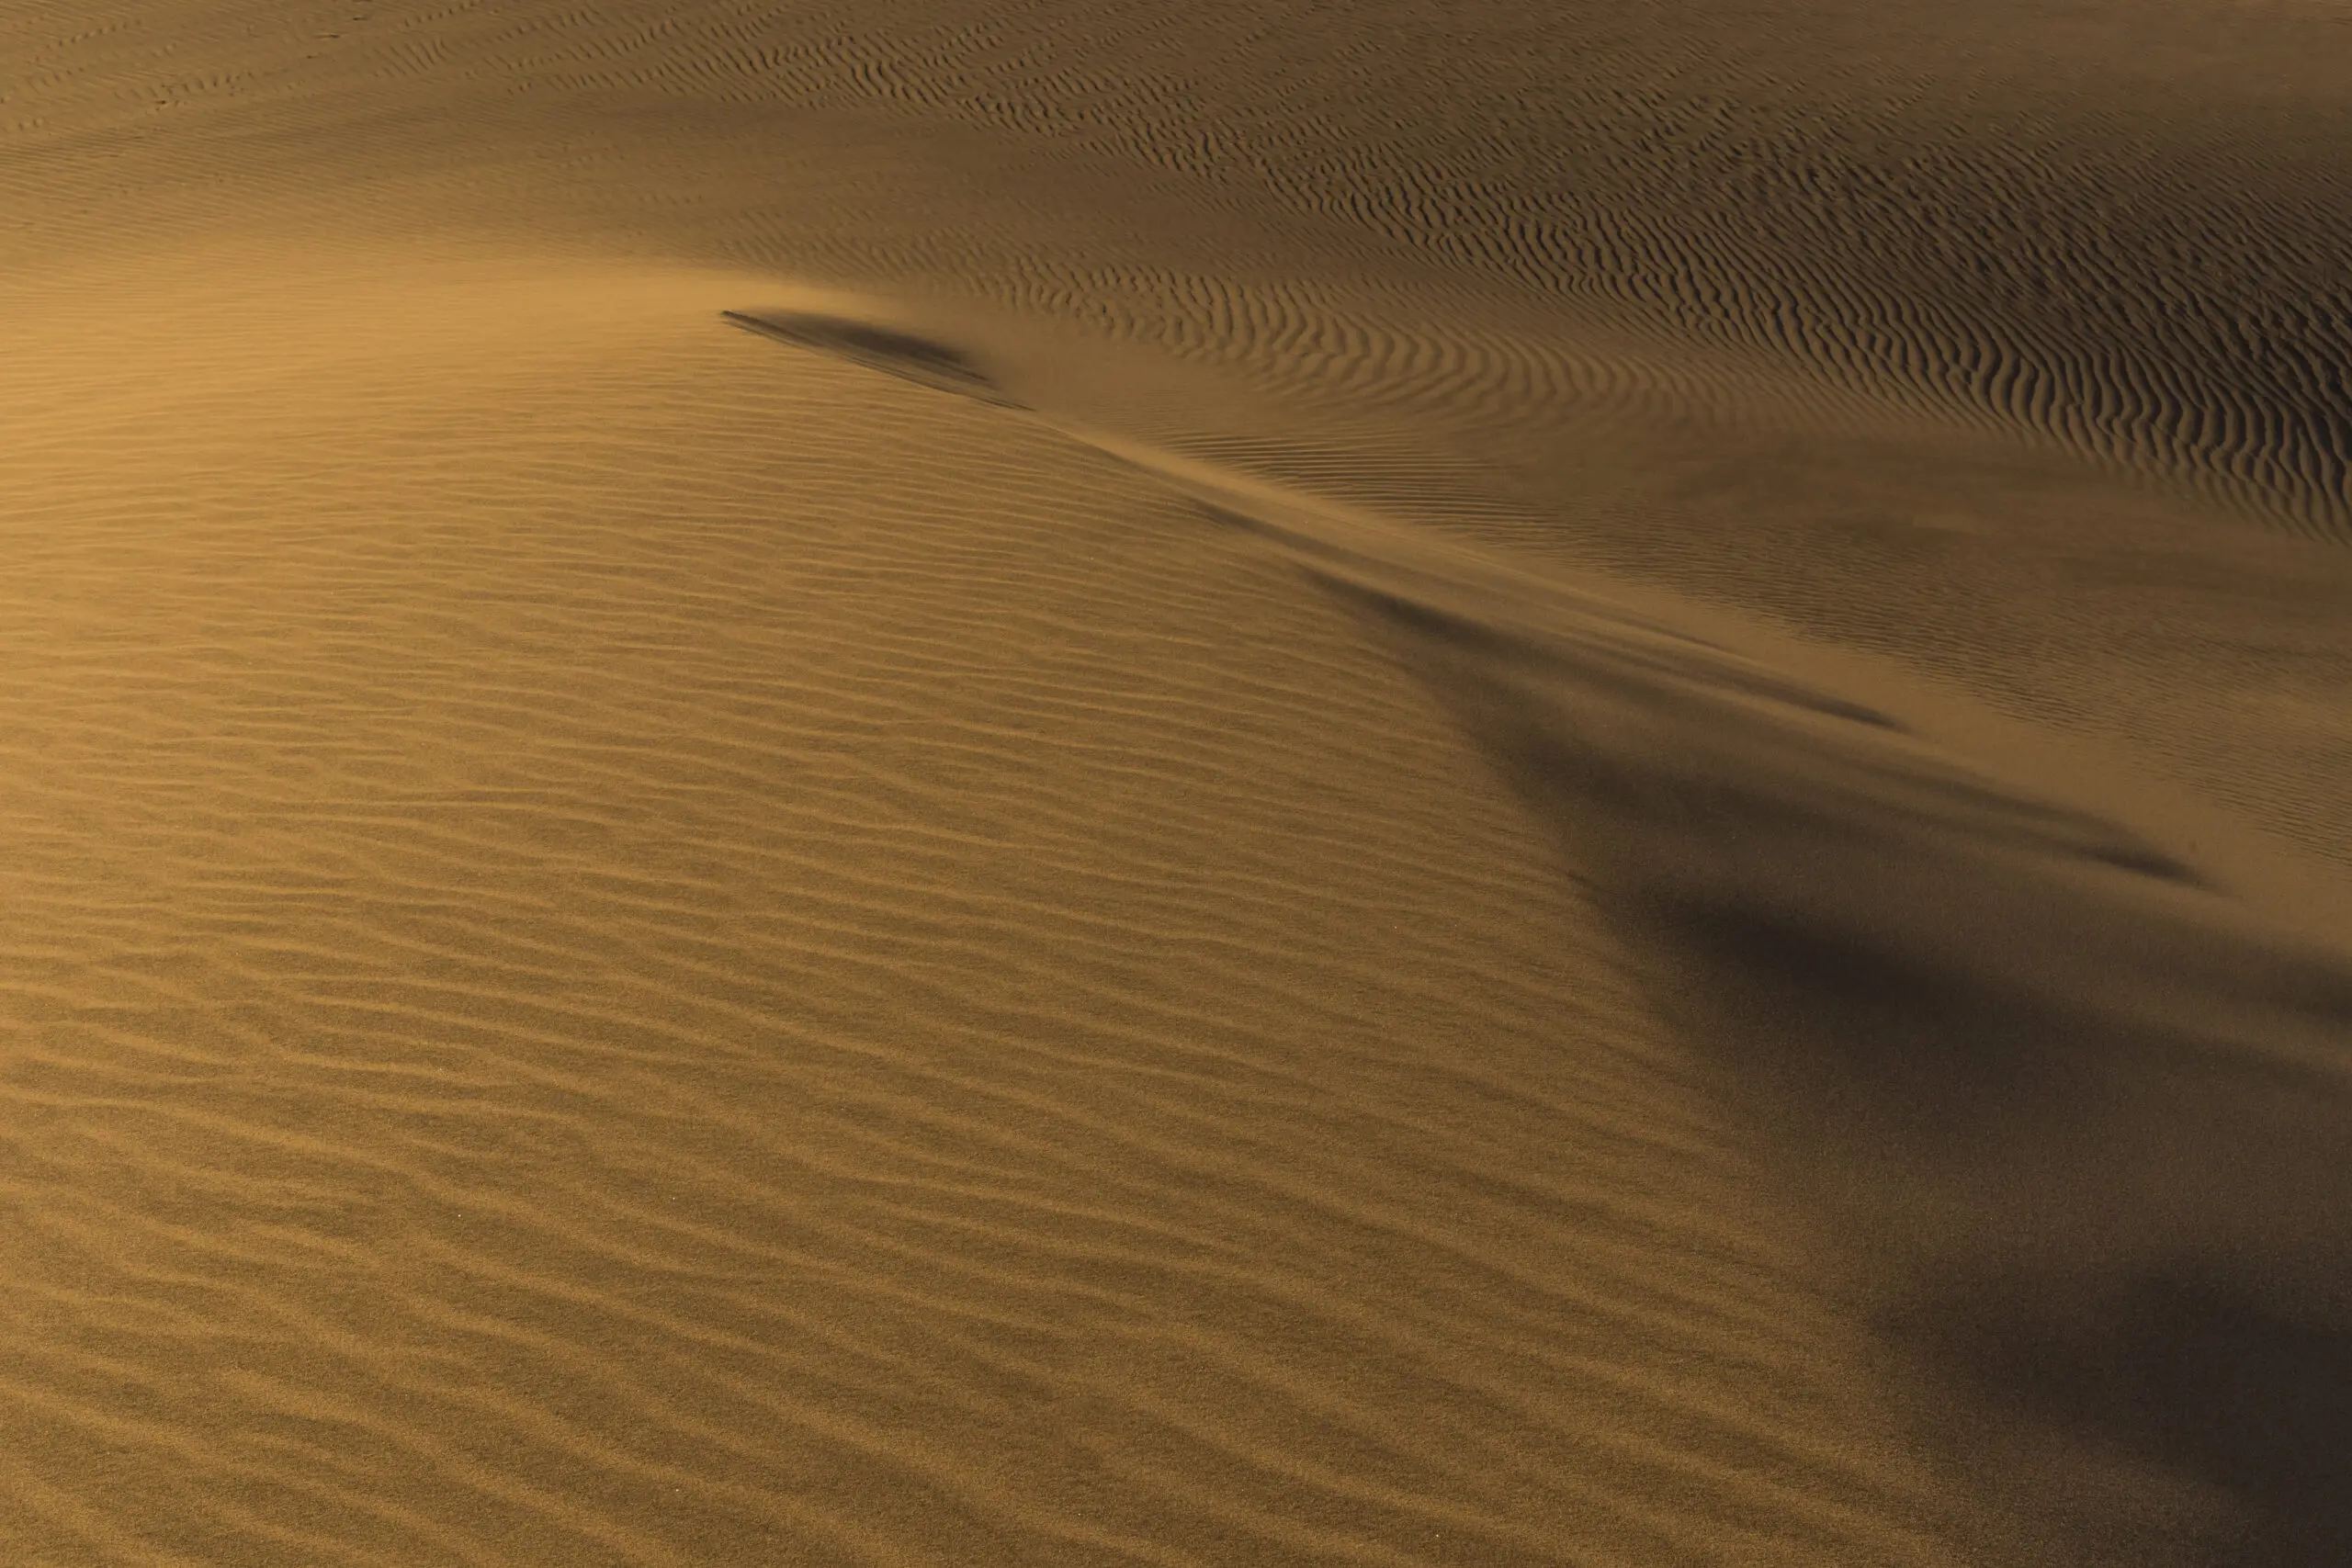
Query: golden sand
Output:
(1473,784)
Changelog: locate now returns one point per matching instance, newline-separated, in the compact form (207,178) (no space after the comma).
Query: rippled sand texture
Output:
(1474,783)
(689,957)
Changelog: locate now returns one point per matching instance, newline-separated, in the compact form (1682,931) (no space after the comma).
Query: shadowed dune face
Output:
(622,944)
(2082,1139)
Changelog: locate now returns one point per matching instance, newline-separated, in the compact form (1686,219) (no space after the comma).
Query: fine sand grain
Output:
(925,782)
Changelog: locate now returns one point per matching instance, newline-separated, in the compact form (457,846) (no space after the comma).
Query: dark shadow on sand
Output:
(879,347)
(2082,1135)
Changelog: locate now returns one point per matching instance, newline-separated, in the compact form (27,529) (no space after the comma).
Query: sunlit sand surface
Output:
(1384,785)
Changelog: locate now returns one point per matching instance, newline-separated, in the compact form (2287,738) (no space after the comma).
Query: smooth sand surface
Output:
(1478,783)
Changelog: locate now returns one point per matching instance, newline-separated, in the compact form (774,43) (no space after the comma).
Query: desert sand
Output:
(933,783)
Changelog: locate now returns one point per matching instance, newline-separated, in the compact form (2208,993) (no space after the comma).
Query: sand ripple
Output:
(625,944)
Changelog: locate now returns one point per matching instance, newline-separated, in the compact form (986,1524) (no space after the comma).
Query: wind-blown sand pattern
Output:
(1083,784)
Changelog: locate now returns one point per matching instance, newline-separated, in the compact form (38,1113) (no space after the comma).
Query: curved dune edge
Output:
(2132,632)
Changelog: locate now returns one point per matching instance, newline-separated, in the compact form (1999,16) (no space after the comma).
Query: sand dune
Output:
(1383,784)
(693,958)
